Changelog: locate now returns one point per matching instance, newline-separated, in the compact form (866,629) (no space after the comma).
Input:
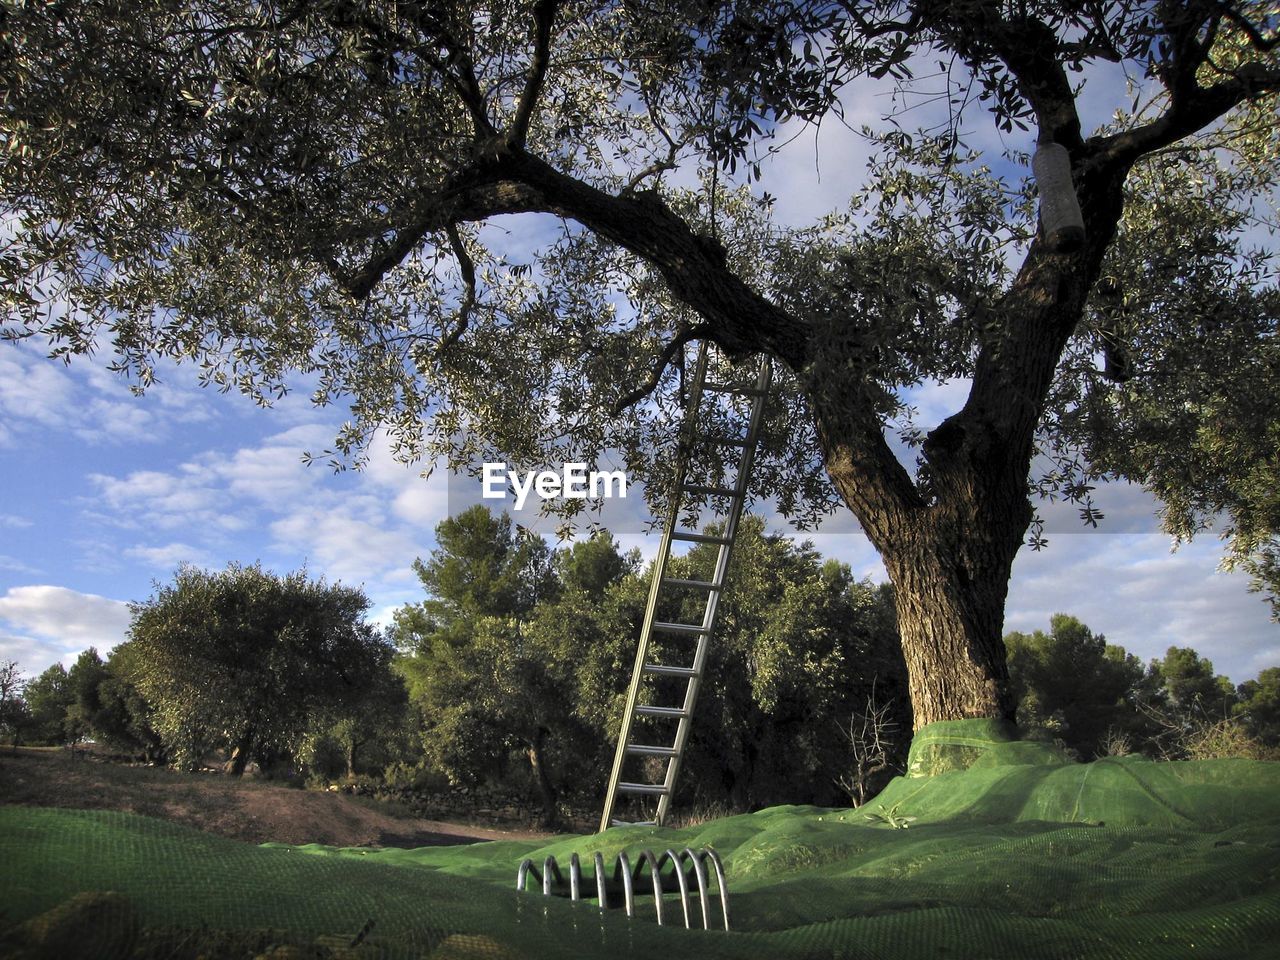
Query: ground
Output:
(993,848)
(256,812)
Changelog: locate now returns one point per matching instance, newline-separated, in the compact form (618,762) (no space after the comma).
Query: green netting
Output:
(1022,855)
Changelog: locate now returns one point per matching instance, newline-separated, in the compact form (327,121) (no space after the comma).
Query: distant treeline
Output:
(512,675)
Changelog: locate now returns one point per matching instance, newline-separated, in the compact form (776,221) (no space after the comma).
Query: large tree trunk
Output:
(546,790)
(950,589)
(948,538)
(240,755)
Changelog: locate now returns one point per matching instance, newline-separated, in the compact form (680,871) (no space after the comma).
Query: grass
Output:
(1122,859)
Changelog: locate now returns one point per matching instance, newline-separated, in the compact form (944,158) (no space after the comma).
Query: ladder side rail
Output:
(655,586)
(718,577)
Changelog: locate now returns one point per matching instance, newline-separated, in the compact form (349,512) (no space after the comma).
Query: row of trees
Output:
(522,655)
(1099,699)
(258,667)
(513,672)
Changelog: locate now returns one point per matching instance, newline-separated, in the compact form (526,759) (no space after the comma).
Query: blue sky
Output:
(105,493)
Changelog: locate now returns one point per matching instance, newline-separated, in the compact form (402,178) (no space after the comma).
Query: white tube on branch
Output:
(1060,214)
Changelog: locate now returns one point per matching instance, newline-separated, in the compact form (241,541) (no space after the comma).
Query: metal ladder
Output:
(690,668)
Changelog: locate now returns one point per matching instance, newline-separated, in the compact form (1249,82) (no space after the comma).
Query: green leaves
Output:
(246,660)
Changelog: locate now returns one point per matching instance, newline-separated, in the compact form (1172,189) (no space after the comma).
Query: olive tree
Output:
(245,660)
(263,188)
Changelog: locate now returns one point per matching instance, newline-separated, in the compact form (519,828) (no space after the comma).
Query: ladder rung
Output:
(727,441)
(698,537)
(734,388)
(673,713)
(615,822)
(645,750)
(696,584)
(679,628)
(665,671)
(699,490)
(645,789)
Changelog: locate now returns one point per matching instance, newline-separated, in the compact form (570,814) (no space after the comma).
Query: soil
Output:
(253,811)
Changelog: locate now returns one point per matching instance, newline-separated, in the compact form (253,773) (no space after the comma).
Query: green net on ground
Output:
(1022,855)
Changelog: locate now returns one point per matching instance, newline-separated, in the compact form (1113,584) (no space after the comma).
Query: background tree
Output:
(1259,704)
(265,188)
(1076,687)
(244,660)
(49,696)
(125,721)
(800,647)
(84,680)
(14,715)
(484,681)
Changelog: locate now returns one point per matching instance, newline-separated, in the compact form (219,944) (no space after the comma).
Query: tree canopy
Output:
(247,660)
(801,648)
(266,189)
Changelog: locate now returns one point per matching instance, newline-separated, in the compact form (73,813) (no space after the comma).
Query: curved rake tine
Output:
(674,857)
(647,855)
(550,868)
(602,889)
(623,867)
(724,890)
(552,878)
(700,874)
(575,877)
(522,875)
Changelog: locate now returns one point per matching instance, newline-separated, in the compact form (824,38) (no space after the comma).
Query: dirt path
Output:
(242,810)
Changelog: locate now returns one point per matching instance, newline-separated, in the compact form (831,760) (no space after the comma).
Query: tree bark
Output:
(546,790)
(240,755)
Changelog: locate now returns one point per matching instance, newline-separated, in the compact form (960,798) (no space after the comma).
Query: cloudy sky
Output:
(106,493)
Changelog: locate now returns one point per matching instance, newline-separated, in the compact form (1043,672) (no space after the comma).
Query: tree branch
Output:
(1030,50)
(544,15)
(1260,43)
(464,79)
(1194,110)
(664,360)
(468,269)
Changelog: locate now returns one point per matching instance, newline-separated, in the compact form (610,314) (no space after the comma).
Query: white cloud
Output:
(14,565)
(117,421)
(82,399)
(46,623)
(33,391)
(155,498)
(273,471)
(170,556)
(343,546)
(1146,599)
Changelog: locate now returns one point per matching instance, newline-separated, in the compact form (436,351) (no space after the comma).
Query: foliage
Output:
(1074,686)
(798,644)
(14,715)
(1259,705)
(84,679)
(125,720)
(1191,688)
(1186,316)
(800,648)
(1099,700)
(49,696)
(1227,738)
(890,817)
(489,671)
(366,730)
(245,659)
